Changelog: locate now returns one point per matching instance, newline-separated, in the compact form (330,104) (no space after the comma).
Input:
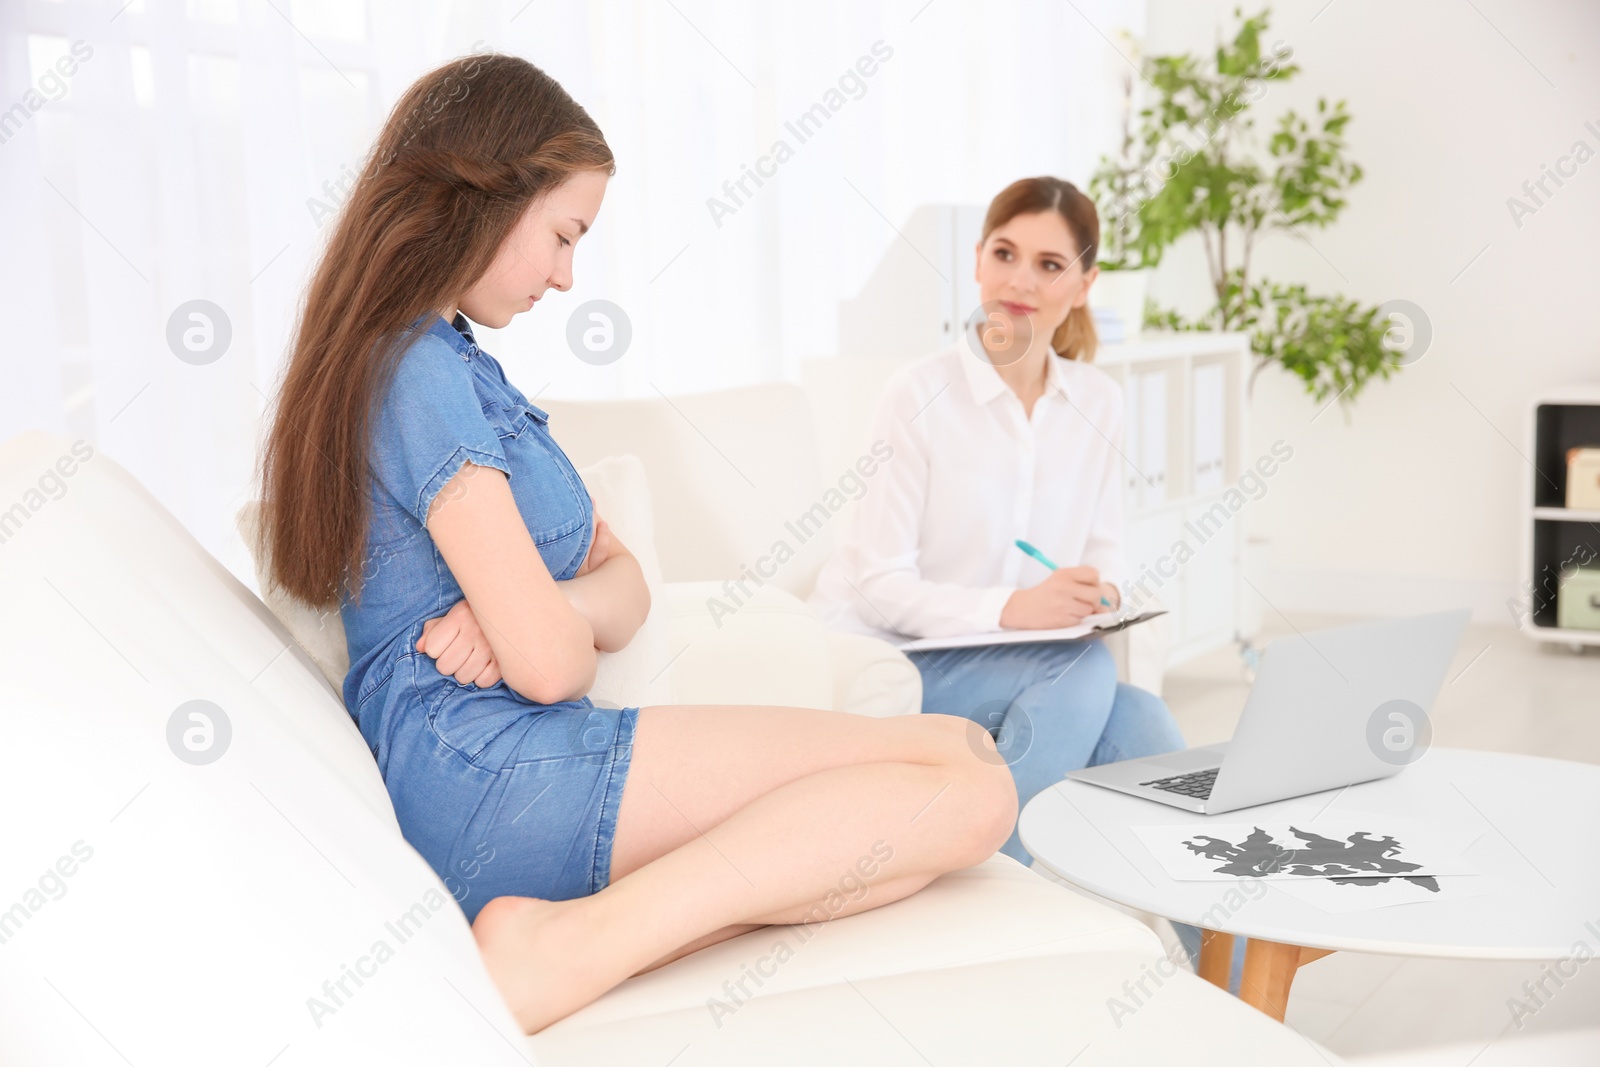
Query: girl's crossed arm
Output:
(608,590)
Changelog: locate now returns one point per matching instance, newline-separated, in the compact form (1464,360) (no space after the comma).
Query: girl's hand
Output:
(458,647)
(1065,598)
(601,548)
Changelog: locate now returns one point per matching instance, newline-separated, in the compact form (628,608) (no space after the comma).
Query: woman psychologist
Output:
(1010,433)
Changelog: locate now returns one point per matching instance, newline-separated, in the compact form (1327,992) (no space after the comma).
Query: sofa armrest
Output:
(771,649)
(872,677)
(767,648)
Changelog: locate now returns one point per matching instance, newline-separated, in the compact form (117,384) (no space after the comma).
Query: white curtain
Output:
(158,152)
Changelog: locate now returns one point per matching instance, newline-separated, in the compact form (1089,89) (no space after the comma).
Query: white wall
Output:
(1417,499)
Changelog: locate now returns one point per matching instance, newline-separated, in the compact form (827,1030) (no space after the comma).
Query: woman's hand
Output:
(1112,596)
(1065,598)
(459,647)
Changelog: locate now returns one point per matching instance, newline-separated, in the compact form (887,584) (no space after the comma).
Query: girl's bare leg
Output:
(882,893)
(737,817)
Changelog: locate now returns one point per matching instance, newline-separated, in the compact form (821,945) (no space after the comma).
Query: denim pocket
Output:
(511,419)
(549,493)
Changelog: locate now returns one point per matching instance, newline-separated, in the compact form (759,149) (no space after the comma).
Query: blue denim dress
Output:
(500,794)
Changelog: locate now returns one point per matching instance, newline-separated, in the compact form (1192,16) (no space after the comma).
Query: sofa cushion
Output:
(318,631)
(1039,1010)
(200,838)
(734,476)
(992,964)
(872,677)
(997,910)
(762,646)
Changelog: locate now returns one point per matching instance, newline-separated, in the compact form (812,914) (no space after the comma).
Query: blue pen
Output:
(1042,558)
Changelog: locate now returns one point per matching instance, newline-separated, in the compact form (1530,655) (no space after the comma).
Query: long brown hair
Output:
(1075,338)
(461,157)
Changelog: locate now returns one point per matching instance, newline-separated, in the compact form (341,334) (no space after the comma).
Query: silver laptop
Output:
(1329,708)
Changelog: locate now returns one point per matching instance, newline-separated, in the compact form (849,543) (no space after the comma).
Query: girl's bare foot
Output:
(544,956)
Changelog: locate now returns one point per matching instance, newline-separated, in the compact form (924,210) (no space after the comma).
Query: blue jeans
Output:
(1052,706)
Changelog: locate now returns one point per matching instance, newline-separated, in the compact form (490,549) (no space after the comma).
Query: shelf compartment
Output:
(1556,545)
(1556,428)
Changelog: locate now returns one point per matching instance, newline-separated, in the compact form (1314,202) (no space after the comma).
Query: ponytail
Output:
(1076,337)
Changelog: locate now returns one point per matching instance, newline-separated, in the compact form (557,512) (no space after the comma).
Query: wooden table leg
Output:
(1216,958)
(1269,968)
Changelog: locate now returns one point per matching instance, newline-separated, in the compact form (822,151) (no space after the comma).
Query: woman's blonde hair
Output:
(463,154)
(1075,338)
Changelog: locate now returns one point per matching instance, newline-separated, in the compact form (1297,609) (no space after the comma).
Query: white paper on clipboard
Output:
(1104,623)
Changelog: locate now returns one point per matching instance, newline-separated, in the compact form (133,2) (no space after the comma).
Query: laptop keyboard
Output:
(1195,784)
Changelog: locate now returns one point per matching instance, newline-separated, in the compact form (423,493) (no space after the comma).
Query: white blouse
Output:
(929,551)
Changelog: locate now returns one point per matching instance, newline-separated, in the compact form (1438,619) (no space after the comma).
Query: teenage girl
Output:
(407,480)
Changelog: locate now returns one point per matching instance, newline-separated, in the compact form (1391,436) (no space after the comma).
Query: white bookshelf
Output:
(1554,535)
(1184,449)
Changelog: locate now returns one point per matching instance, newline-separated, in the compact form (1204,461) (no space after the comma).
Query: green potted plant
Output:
(1191,165)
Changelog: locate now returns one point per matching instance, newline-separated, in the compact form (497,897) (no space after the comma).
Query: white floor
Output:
(1505,693)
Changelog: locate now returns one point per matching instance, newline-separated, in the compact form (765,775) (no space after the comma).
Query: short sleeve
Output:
(429,423)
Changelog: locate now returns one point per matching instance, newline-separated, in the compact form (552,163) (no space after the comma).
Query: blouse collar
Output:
(457,334)
(985,382)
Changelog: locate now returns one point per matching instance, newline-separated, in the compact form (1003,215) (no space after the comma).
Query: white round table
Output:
(1532,823)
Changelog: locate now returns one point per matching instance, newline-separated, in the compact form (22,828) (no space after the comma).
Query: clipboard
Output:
(1108,622)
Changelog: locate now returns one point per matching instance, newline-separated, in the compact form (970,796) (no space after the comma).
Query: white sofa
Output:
(730,474)
(262,906)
